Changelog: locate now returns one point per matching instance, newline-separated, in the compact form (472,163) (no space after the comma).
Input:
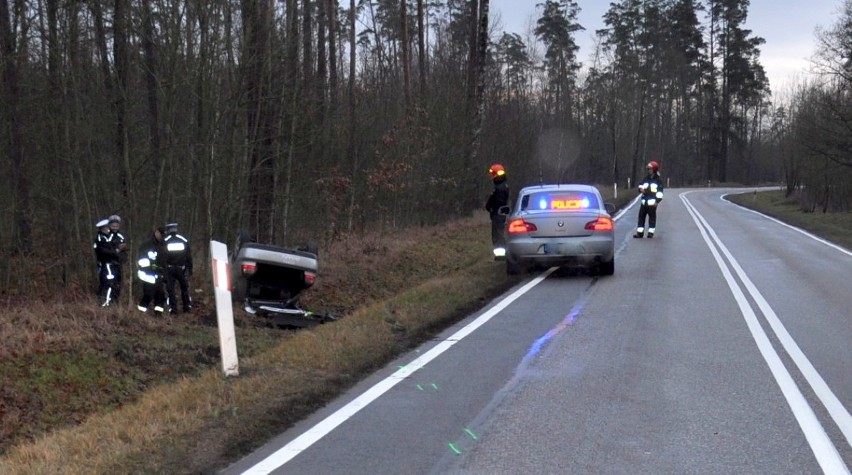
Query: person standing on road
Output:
(152,267)
(651,189)
(121,246)
(178,268)
(499,198)
(107,255)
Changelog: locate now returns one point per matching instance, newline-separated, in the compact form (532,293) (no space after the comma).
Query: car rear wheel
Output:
(238,292)
(607,268)
(513,266)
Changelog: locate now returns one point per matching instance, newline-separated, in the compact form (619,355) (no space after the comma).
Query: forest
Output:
(319,119)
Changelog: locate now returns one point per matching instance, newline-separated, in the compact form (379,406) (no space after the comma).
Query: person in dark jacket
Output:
(178,268)
(107,255)
(651,189)
(121,246)
(499,198)
(152,267)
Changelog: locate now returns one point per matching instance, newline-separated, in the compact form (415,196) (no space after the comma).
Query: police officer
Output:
(499,198)
(651,189)
(107,255)
(152,267)
(121,246)
(178,267)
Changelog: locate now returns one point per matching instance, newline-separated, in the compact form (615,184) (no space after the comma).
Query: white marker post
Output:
(224,309)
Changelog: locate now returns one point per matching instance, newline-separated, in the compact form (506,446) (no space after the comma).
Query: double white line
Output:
(826,453)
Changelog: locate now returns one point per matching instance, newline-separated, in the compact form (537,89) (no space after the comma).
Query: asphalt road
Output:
(720,346)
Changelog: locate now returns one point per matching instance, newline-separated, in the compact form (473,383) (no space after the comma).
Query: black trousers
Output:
(155,293)
(109,283)
(651,213)
(498,230)
(177,275)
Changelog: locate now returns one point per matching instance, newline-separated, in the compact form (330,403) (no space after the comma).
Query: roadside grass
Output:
(125,392)
(834,227)
(111,391)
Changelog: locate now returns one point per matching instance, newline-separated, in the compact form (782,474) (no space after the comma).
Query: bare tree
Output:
(12,53)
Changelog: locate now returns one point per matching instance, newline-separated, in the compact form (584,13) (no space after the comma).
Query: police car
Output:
(560,225)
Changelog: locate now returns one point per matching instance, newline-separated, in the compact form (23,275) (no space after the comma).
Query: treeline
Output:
(311,119)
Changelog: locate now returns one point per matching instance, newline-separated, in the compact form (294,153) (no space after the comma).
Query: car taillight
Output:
(248,268)
(519,226)
(601,224)
(310,278)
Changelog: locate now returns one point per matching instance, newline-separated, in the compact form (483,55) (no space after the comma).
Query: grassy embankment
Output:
(93,391)
(835,227)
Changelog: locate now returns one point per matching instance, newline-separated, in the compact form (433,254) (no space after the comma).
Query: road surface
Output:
(720,346)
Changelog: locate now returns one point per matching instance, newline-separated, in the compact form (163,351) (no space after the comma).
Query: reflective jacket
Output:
(177,251)
(151,261)
(106,248)
(651,188)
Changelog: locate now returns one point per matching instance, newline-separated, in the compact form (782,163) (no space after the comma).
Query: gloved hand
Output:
(188,272)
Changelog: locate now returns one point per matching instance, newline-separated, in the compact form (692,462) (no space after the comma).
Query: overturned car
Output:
(268,280)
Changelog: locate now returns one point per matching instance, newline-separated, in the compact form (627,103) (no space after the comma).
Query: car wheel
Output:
(311,247)
(243,237)
(607,268)
(238,292)
(513,266)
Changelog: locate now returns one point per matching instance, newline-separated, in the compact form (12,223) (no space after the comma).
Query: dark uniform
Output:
(107,255)
(121,246)
(499,197)
(152,267)
(651,189)
(178,267)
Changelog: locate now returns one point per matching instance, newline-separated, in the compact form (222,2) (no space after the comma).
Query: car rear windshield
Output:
(559,201)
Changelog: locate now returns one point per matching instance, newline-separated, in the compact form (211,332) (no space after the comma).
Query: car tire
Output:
(311,247)
(238,292)
(607,268)
(513,266)
(243,237)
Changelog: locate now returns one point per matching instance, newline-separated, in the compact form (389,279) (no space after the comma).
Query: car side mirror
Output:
(504,211)
(610,208)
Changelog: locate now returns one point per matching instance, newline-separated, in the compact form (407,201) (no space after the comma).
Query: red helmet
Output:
(654,166)
(497,170)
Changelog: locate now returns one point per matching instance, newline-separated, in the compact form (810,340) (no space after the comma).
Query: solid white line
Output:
(835,408)
(321,429)
(823,448)
(815,238)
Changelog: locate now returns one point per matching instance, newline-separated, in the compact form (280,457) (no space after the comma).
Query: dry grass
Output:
(394,291)
(118,392)
(835,227)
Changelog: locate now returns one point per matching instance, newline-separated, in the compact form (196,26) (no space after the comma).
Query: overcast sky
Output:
(786,25)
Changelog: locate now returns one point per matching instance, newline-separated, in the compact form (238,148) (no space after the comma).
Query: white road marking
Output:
(321,429)
(815,238)
(823,448)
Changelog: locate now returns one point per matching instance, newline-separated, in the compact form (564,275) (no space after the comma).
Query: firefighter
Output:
(152,267)
(651,189)
(121,245)
(178,268)
(499,198)
(107,255)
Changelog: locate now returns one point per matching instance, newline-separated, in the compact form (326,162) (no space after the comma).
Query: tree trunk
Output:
(122,73)
(478,102)
(257,18)
(406,54)
(11,55)
(421,46)
(332,53)
(150,53)
(352,152)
